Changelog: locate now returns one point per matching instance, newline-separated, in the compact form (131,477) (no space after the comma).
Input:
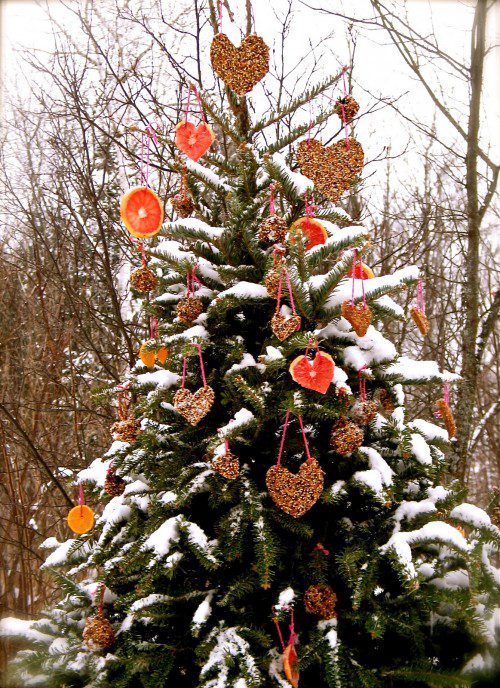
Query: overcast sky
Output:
(378,67)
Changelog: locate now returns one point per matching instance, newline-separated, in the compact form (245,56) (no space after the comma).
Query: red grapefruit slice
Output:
(141,212)
(313,229)
(316,374)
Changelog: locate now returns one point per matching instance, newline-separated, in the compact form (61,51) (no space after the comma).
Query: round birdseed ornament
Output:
(273,229)
(98,633)
(320,600)
(346,108)
(385,400)
(113,484)
(183,204)
(345,437)
(240,68)
(189,308)
(143,280)
(364,411)
(125,430)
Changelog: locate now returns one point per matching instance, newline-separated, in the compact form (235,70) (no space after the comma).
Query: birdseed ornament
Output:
(193,140)
(113,484)
(81,517)
(194,406)
(240,68)
(98,633)
(331,168)
(295,493)
(143,280)
(320,600)
(347,108)
(364,410)
(141,210)
(182,202)
(225,462)
(417,312)
(345,437)
(316,374)
(385,400)
(281,325)
(359,315)
(127,427)
(273,229)
(190,306)
(290,658)
(444,411)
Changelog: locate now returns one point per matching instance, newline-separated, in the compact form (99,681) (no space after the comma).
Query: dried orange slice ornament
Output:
(290,661)
(361,271)
(312,229)
(141,212)
(81,519)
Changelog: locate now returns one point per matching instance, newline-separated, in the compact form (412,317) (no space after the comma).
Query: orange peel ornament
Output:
(290,661)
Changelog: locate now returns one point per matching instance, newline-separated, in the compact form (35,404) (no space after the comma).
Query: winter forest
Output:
(249,347)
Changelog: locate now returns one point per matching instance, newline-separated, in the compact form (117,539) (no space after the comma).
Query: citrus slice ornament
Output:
(313,230)
(316,374)
(194,140)
(361,271)
(141,211)
(290,661)
(149,354)
(81,519)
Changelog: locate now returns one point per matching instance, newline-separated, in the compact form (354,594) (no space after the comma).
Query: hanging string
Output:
(293,635)
(186,113)
(290,293)
(278,253)
(308,454)
(220,16)
(81,497)
(272,203)
(183,372)
(446,393)
(200,106)
(147,135)
(309,129)
(122,400)
(282,443)
(420,296)
(101,602)
(309,343)
(192,282)
(202,367)
(310,205)
(153,327)
(140,248)
(354,265)
(278,629)
(362,383)
(226,441)
(344,118)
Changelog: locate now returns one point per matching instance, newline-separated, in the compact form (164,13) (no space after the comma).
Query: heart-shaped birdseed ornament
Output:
(243,67)
(316,374)
(295,493)
(194,407)
(283,327)
(227,465)
(194,140)
(332,168)
(358,315)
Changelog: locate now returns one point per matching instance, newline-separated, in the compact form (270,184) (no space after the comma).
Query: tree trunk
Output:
(470,287)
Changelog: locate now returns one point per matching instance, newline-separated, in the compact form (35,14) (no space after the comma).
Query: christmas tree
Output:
(271,516)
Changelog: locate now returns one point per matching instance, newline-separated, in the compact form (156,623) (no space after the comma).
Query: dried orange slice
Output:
(313,229)
(361,271)
(147,354)
(290,661)
(141,212)
(316,374)
(162,354)
(81,519)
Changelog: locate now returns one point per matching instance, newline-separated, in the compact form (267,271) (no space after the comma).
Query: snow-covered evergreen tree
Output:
(199,568)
